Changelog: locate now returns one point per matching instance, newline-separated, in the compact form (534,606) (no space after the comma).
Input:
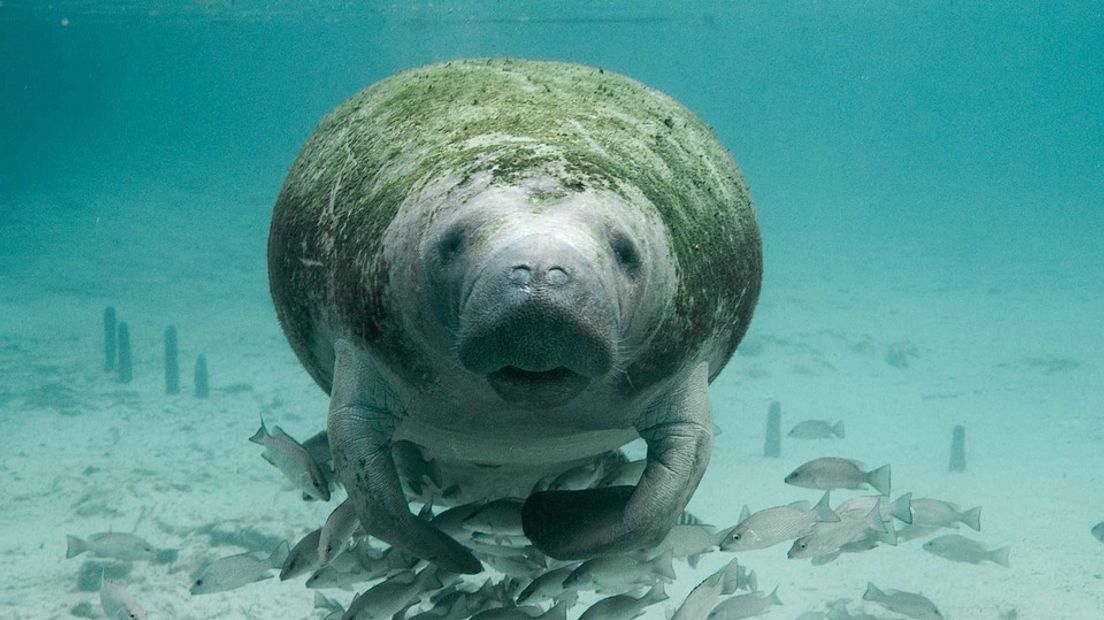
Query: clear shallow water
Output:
(924,174)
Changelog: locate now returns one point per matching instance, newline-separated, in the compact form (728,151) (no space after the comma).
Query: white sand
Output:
(80,453)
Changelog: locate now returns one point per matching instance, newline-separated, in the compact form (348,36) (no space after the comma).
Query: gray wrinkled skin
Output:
(516,266)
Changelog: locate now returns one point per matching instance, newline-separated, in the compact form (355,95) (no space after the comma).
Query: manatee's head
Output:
(545,290)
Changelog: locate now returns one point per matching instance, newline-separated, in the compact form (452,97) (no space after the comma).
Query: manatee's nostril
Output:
(556,276)
(520,275)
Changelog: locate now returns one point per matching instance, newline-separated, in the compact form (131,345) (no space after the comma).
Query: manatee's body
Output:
(519,265)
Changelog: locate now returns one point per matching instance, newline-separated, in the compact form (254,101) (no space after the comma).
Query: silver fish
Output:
(900,508)
(702,598)
(337,533)
(690,541)
(303,557)
(624,606)
(392,596)
(360,564)
(826,538)
(836,473)
(745,606)
(238,570)
(548,586)
(771,526)
(117,545)
(624,474)
(524,612)
(118,604)
(293,460)
(817,429)
(617,571)
(905,603)
(451,521)
(1098,531)
(415,468)
(961,549)
(501,517)
(447,608)
(929,512)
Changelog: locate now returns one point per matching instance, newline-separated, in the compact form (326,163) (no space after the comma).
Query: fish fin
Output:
(717,431)
(731,579)
(802,505)
(821,560)
(823,513)
(879,479)
(838,429)
(902,508)
(1000,556)
(972,518)
(268,459)
(745,512)
(279,555)
(557,611)
(773,597)
(687,518)
(663,565)
(656,593)
(74,546)
(693,559)
(752,581)
(872,592)
(889,536)
(261,434)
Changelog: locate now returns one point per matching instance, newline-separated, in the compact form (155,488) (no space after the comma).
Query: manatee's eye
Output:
(451,244)
(625,251)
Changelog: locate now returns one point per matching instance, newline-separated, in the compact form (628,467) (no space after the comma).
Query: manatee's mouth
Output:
(537,388)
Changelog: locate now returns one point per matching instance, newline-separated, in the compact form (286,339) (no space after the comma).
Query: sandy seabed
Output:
(900,359)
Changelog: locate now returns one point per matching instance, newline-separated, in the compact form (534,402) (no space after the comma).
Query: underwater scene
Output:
(552,309)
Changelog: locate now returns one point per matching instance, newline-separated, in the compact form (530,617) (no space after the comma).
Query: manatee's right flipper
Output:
(361,422)
(571,525)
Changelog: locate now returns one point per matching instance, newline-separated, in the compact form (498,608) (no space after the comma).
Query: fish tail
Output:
(752,581)
(261,433)
(902,508)
(872,592)
(663,565)
(556,612)
(823,513)
(731,580)
(1000,556)
(838,429)
(774,597)
(972,518)
(879,479)
(279,555)
(656,594)
(74,547)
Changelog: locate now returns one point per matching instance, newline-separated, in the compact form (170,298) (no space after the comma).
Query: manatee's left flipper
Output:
(580,524)
(361,423)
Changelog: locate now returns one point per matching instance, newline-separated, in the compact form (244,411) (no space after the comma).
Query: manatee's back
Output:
(511,119)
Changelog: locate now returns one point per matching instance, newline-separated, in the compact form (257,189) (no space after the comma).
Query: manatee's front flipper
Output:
(361,421)
(571,525)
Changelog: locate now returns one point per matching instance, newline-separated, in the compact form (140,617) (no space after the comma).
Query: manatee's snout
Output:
(538,322)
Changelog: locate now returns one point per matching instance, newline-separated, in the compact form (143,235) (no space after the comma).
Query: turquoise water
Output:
(928,178)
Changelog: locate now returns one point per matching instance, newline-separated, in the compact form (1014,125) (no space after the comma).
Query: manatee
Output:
(518,267)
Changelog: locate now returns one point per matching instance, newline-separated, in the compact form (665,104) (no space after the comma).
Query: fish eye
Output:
(735,536)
